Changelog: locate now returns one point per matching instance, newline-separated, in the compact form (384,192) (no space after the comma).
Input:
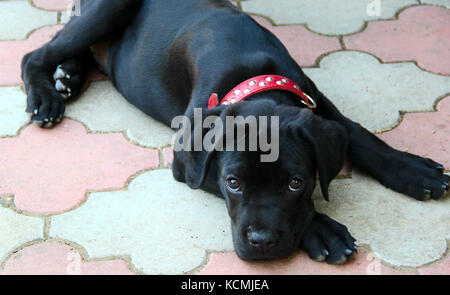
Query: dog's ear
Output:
(329,141)
(193,160)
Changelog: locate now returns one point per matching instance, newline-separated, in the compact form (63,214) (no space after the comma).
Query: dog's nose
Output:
(261,239)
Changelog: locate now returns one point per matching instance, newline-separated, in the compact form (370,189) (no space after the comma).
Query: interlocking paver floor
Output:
(96,195)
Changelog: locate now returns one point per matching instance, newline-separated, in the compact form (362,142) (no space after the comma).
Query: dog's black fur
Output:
(167,57)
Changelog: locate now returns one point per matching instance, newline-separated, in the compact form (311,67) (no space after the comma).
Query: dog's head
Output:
(269,202)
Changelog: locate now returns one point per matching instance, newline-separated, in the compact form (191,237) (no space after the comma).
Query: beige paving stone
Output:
(163,225)
(102,108)
(18,18)
(400,230)
(332,17)
(16,230)
(12,110)
(372,93)
(65,16)
(445,3)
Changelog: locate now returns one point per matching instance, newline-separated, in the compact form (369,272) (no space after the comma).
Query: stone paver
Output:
(12,52)
(12,110)
(49,171)
(164,226)
(442,268)
(16,230)
(332,17)
(299,264)
(168,156)
(425,134)
(53,4)
(304,46)
(19,19)
(56,258)
(102,108)
(445,3)
(398,40)
(373,94)
(385,220)
(65,16)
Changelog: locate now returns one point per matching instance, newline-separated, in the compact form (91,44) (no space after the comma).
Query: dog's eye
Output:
(233,184)
(295,184)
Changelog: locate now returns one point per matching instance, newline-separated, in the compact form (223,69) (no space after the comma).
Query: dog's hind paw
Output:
(327,240)
(418,177)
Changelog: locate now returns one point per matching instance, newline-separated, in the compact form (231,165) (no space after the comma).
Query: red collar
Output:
(260,84)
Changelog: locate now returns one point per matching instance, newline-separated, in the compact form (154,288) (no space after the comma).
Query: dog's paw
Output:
(68,80)
(418,177)
(327,240)
(45,105)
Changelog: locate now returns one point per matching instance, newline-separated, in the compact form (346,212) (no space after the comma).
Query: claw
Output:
(427,194)
(48,125)
(36,112)
(59,74)
(321,258)
(440,168)
(342,260)
(38,123)
(445,186)
(348,252)
(60,86)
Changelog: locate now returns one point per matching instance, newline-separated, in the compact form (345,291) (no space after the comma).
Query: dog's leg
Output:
(403,172)
(97,19)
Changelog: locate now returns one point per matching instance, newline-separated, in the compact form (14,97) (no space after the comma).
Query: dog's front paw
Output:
(327,240)
(45,105)
(415,176)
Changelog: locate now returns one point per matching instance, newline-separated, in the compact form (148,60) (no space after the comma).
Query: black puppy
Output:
(167,56)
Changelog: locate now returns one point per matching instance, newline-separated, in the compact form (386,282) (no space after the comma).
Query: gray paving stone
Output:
(16,230)
(373,94)
(102,108)
(333,17)
(12,110)
(18,18)
(163,225)
(445,3)
(400,230)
